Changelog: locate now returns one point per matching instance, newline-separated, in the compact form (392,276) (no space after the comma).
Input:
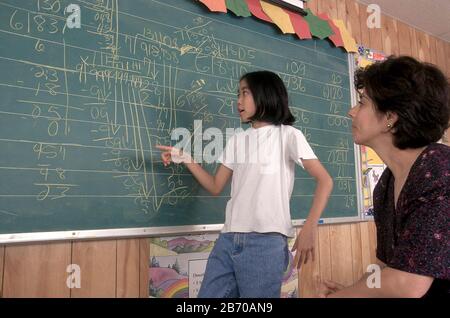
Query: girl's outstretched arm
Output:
(305,241)
(213,184)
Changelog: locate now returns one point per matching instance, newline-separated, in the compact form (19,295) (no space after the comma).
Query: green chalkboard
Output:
(82,108)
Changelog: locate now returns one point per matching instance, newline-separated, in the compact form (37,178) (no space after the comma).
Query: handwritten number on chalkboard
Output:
(48,5)
(17,26)
(36,112)
(39,20)
(53,128)
(39,47)
(54,26)
(337,122)
(335,108)
(349,201)
(336,79)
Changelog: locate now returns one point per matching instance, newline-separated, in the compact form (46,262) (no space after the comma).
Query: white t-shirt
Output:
(263,163)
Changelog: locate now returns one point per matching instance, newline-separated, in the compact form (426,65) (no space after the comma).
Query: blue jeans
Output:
(249,265)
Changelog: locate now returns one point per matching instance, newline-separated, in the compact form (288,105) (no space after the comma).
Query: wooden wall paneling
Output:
(433,58)
(2,262)
(144,259)
(440,55)
(329,7)
(414,43)
(342,13)
(423,46)
(373,243)
(313,5)
(357,265)
(98,264)
(37,270)
(404,39)
(324,253)
(348,11)
(341,254)
(128,268)
(447,54)
(365,36)
(389,32)
(309,275)
(376,40)
(371,36)
(366,253)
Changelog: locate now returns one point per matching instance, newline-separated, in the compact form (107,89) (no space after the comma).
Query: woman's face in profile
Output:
(367,123)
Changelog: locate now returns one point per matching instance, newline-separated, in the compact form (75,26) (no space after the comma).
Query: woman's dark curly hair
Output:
(417,92)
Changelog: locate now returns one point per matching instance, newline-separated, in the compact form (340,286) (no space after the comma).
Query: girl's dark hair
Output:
(417,92)
(270,96)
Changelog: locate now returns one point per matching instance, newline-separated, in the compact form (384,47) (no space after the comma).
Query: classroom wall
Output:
(118,268)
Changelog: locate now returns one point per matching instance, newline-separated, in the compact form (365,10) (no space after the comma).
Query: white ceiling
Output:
(431,16)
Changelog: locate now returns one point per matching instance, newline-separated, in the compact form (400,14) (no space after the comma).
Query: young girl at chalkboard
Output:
(251,253)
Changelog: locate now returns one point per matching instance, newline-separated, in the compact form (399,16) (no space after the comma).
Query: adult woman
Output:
(402,112)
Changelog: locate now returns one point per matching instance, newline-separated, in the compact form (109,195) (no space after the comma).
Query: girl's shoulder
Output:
(291,131)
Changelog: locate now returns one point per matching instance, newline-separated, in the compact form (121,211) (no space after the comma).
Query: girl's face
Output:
(246,104)
(368,125)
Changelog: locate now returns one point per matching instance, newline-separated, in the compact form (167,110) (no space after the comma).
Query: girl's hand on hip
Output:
(305,244)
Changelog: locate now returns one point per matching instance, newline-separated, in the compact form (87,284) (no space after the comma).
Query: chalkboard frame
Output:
(187,229)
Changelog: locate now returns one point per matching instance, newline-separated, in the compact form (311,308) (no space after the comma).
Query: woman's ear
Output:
(391,118)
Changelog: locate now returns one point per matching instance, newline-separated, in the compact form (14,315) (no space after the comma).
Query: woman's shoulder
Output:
(431,173)
(437,151)
(435,158)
